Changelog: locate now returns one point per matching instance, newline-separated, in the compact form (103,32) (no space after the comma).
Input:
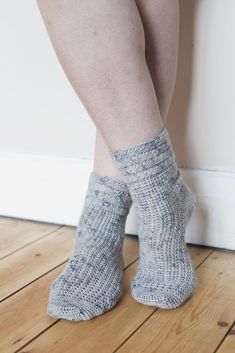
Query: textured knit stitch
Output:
(91,282)
(165,276)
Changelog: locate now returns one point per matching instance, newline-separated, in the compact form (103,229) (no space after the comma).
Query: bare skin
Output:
(120,58)
(161,26)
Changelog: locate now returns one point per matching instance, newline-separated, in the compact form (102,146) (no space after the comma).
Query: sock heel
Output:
(186,198)
(191,202)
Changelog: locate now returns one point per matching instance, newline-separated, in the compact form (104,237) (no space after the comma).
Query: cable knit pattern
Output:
(165,276)
(91,282)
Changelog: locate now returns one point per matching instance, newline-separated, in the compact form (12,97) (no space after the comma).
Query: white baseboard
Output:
(53,189)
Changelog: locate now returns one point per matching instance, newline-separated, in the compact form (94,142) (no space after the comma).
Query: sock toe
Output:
(68,312)
(160,299)
(79,309)
(83,310)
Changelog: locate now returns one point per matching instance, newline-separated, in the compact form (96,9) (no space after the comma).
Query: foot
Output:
(165,277)
(91,282)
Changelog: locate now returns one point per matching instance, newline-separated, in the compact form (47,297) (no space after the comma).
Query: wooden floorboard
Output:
(17,233)
(35,253)
(105,333)
(228,345)
(23,315)
(201,323)
(31,262)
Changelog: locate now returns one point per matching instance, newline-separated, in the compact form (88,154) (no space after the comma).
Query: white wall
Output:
(39,112)
(201,120)
(45,131)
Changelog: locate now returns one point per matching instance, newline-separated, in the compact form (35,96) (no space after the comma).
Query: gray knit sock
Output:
(91,282)
(165,277)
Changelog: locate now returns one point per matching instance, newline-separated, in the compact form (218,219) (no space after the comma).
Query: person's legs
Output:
(102,50)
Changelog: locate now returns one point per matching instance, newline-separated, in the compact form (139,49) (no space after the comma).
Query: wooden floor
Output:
(33,254)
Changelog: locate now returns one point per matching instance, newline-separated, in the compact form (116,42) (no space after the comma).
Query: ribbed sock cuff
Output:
(108,193)
(145,159)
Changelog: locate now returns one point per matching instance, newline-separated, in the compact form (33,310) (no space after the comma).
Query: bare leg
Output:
(161,26)
(103,164)
(102,50)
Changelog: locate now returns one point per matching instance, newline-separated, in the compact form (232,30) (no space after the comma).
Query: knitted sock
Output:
(165,277)
(91,282)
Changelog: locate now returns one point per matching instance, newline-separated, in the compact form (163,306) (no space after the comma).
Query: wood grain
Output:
(228,345)
(31,262)
(105,333)
(23,315)
(199,325)
(17,233)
